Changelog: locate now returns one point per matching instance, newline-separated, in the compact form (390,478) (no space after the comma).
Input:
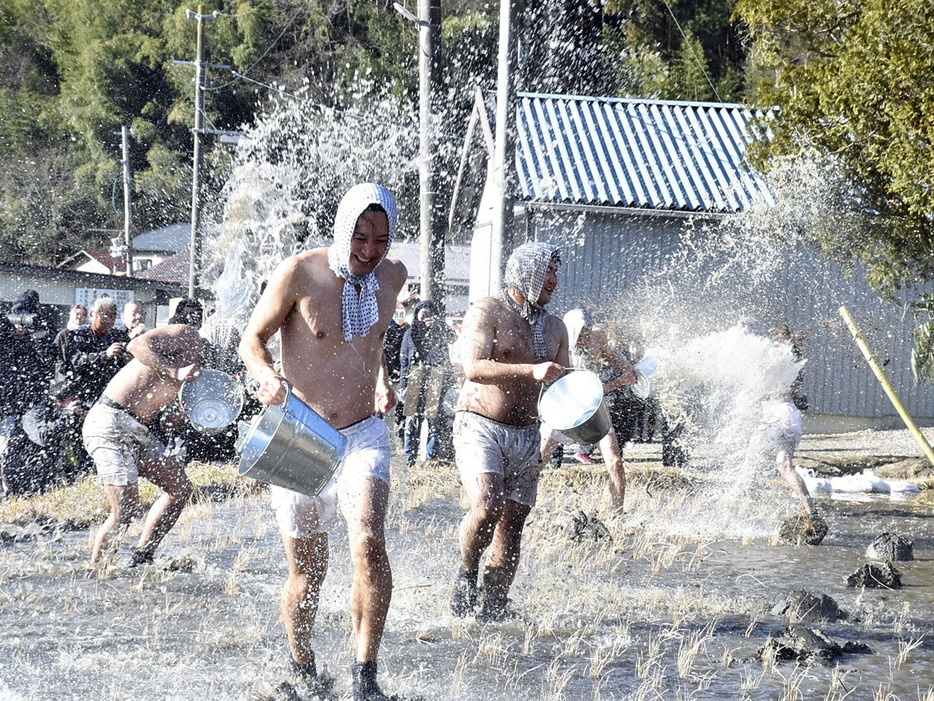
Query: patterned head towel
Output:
(526,270)
(358,304)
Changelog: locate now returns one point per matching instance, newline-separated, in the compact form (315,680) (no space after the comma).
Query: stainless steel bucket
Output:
(645,373)
(574,406)
(212,402)
(290,446)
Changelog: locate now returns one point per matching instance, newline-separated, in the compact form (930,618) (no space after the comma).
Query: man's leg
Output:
(548,448)
(787,470)
(609,449)
(124,507)
(169,475)
(503,562)
(476,534)
(371,590)
(308,563)
(412,438)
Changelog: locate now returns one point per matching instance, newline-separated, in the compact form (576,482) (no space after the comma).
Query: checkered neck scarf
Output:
(359,308)
(526,271)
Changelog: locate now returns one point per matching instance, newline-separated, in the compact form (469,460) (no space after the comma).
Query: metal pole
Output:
(195,242)
(504,159)
(127,210)
(431,220)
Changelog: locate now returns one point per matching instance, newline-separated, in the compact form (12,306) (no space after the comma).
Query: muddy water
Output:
(652,614)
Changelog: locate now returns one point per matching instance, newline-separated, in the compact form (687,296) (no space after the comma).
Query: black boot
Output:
(365,687)
(305,682)
(464,596)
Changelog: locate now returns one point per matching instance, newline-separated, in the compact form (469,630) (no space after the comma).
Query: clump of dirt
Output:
(803,529)
(800,606)
(581,527)
(808,645)
(875,576)
(890,547)
(911,469)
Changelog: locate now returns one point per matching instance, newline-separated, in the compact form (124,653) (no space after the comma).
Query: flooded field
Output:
(675,604)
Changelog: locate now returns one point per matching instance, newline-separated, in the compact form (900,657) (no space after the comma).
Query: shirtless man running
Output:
(117,437)
(511,345)
(331,307)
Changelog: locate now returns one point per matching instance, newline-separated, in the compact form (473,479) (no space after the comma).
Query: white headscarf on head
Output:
(359,308)
(526,271)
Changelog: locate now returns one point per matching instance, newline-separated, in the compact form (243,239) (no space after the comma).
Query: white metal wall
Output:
(611,261)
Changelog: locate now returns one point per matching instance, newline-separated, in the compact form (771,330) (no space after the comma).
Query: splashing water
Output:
(287,179)
(713,376)
(714,386)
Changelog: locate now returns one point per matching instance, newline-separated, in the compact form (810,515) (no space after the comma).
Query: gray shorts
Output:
(482,445)
(367,455)
(119,444)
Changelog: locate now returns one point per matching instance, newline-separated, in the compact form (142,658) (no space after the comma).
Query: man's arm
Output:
(270,314)
(479,339)
(174,351)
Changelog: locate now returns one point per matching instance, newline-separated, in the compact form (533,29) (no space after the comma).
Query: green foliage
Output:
(852,79)
(677,49)
(73,72)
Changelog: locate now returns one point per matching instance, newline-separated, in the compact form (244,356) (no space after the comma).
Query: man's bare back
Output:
(337,379)
(498,353)
(163,360)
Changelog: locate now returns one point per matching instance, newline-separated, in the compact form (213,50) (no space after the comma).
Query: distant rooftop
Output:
(171,238)
(653,154)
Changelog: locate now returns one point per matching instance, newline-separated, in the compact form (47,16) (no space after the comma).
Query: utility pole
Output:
(127,210)
(195,245)
(504,153)
(431,219)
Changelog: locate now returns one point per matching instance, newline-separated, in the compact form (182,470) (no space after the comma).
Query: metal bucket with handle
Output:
(574,406)
(211,402)
(290,446)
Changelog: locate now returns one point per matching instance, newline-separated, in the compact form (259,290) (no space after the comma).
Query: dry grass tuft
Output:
(83,504)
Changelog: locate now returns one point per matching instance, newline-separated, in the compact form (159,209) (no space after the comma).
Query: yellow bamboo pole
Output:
(886,385)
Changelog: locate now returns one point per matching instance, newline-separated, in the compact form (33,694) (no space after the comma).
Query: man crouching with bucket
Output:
(510,346)
(117,437)
(331,307)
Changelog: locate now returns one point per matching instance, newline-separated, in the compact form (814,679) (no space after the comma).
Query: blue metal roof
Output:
(653,154)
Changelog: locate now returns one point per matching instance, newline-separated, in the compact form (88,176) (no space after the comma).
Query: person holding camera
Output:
(26,365)
(96,352)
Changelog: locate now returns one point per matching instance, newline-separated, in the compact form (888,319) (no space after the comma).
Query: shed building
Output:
(637,192)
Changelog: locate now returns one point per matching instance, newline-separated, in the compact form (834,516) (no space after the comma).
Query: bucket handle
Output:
(541,390)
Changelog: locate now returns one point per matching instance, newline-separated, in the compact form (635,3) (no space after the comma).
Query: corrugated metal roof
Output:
(653,154)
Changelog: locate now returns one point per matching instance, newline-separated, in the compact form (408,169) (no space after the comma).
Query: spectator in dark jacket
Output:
(96,352)
(426,374)
(27,358)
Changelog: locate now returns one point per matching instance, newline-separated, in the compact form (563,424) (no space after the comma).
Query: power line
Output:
(696,58)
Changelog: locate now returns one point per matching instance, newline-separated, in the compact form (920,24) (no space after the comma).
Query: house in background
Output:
(61,288)
(99,262)
(628,187)
(153,247)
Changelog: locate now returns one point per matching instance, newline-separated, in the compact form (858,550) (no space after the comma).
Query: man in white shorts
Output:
(510,346)
(117,437)
(331,307)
